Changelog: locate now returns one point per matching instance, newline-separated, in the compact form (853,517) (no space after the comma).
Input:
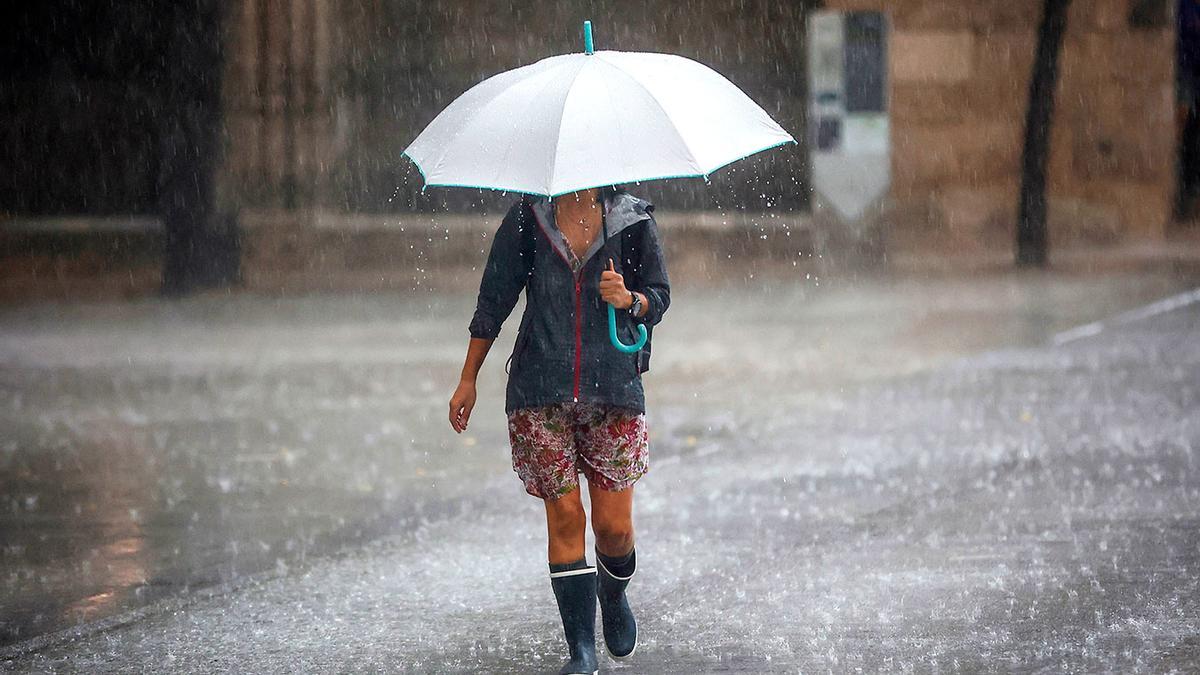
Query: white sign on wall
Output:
(848,120)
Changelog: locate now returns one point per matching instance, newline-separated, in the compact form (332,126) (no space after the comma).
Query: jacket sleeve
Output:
(508,268)
(650,272)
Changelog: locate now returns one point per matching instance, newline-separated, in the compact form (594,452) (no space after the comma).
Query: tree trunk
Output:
(1031,221)
(200,245)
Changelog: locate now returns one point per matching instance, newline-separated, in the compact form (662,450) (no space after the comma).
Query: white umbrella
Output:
(577,121)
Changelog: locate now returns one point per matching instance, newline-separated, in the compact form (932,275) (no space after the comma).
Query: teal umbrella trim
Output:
(558,194)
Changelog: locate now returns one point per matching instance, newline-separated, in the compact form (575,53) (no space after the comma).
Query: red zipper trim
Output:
(578,331)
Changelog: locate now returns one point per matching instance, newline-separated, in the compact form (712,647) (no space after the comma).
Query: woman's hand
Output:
(612,288)
(461,404)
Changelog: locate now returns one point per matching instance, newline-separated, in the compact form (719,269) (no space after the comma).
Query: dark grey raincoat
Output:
(562,350)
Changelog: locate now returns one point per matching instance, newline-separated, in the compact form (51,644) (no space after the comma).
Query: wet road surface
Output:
(832,485)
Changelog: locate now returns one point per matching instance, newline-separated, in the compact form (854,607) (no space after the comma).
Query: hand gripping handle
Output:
(616,341)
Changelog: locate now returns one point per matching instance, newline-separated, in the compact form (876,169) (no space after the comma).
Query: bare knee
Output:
(565,525)
(614,536)
(565,518)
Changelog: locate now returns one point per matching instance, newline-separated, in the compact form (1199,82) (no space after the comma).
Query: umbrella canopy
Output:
(576,121)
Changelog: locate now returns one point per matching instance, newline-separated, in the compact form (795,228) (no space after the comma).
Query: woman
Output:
(574,402)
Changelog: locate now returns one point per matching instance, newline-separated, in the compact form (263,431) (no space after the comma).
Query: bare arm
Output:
(463,400)
(508,267)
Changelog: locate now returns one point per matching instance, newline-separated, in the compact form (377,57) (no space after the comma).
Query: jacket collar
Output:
(620,211)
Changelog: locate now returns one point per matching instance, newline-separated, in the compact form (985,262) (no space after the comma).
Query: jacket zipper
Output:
(578,304)
(578,328)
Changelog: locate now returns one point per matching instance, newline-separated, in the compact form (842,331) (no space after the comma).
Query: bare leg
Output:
(566,525)
(612,520)
(573,581)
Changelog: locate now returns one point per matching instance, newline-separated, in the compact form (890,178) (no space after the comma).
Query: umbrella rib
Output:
(666,115)
(512,139)
(458,132)
(471,120)
(558,136)
(616,118)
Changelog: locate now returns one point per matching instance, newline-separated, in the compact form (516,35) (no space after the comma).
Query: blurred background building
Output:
(312,103)
(959,88)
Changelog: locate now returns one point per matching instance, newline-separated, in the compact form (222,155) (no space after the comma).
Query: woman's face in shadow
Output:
(587,196)
(577,203)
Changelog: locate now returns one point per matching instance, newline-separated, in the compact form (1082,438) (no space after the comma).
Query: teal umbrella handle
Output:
(612,334)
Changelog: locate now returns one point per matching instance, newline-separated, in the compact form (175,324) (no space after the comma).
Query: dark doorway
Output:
(78,106)
(1187,89)
(113,108)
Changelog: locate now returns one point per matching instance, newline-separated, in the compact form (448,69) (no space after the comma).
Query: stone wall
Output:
(280,103)
(323,97)
(959,87)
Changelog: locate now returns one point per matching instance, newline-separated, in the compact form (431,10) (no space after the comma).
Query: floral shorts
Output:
(552,444)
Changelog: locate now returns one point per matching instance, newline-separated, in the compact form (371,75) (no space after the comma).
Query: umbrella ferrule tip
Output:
(587,38)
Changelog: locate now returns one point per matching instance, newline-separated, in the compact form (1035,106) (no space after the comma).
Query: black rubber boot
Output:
(620,629)
(575,589)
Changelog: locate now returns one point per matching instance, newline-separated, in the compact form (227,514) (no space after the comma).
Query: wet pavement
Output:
(886,473)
